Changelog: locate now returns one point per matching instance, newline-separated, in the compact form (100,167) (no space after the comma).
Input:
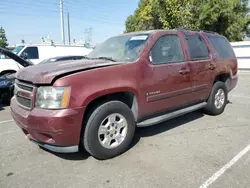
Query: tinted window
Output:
(196,47)
(31,52)
(167,50)
(221,46)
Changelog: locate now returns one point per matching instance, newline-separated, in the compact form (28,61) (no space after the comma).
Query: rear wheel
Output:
(217,100)
(109,130)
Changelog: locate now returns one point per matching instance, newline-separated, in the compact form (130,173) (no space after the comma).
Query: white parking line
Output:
(7,121)
(8,132)
(225,167)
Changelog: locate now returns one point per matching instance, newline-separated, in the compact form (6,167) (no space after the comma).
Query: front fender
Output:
(102,93)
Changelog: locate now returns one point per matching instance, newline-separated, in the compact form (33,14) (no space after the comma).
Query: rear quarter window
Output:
(222,47)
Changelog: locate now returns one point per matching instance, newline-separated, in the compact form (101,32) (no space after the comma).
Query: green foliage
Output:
(160,14)
(227,17)
(3,39)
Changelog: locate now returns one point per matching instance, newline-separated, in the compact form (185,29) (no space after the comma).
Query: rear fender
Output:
(231,78)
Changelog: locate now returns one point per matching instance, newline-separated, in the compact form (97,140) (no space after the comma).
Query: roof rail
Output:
(197,30)
(205,31)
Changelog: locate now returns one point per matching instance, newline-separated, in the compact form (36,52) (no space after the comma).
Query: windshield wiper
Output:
(106,58)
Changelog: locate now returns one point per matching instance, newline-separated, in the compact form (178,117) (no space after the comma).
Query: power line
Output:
(47,9)
(11,4)
(36,8)
(30,10)
(81,6)
(29,14)
(29,3)
(102,21)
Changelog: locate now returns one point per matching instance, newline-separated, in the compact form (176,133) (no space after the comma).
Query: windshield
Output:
(17,49)
(121,48)
(3,56)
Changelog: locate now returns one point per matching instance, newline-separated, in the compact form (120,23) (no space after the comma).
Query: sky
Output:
(32,19)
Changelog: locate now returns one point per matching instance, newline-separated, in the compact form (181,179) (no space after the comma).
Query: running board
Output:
(171,115)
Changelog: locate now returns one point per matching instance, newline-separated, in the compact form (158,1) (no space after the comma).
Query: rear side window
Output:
(197,48)
(167,49)
(222,47)
(31,53)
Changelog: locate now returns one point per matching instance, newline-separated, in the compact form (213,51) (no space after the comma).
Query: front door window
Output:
(167,50)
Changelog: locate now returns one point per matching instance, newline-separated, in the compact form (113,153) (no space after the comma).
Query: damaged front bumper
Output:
(55,130)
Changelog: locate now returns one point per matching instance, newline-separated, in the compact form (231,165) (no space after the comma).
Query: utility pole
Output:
(62,21)
(88,33)
(68,28)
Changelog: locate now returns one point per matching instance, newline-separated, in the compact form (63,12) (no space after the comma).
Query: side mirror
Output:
(24,55)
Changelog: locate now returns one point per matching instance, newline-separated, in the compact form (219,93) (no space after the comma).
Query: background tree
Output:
(227,17)
(3,39)
(160,14)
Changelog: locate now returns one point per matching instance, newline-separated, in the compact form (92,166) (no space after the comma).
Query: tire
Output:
(211,108)
(4,99)
(94,142)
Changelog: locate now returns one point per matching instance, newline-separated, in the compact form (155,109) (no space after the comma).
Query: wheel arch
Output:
(127,96)
(223,77)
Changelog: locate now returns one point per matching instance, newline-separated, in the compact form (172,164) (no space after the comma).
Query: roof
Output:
(145,32)
(161,30)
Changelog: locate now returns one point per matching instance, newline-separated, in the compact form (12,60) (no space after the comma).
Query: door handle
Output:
(184,71)
(211,66)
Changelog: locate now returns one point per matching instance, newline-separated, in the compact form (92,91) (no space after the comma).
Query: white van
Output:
(38,53)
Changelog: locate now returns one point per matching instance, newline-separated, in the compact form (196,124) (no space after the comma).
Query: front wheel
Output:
(217,100)
(109,130)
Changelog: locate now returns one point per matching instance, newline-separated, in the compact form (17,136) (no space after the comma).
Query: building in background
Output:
(242,52)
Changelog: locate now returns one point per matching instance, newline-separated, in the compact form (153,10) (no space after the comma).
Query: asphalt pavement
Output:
(194,150)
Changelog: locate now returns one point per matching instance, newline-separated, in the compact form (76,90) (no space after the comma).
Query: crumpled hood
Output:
(45,73)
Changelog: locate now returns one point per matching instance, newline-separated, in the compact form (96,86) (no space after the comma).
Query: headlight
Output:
(53,97)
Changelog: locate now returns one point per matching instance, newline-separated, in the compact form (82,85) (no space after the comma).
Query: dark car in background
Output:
(6,88)
(7,80)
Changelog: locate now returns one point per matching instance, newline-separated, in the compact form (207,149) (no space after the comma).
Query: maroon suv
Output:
(134,79)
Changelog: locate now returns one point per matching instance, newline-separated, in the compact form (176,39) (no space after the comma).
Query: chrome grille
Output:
(24,94)
(25,87)
(24,102)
